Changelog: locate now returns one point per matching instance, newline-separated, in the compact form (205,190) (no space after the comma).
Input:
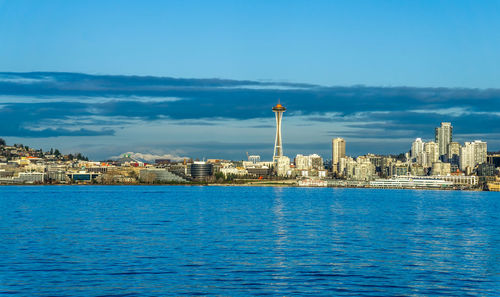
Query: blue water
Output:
(220,241)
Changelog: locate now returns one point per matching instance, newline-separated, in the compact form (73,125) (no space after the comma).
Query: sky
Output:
(378,73)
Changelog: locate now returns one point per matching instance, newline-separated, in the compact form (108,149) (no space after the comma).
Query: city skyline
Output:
(234,148)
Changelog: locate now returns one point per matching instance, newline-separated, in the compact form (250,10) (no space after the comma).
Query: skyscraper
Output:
(472,154)
(278,146)
(417,151)
(454,153)
(338,152)
(443,139)
(431,151)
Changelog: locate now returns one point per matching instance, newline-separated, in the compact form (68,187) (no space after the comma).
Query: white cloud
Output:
(265,87)
(23,80)
(150,157)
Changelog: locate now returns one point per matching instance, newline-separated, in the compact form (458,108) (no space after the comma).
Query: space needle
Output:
(278,147)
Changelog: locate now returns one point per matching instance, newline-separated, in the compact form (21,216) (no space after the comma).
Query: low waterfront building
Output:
(57,176)
(494,185)
(259,171)
(458,180)
(25,178)
(152,175)
(233,171)
(440,168)
(399,168)
(82,176)
(310,182)
(411,182)
(201,170)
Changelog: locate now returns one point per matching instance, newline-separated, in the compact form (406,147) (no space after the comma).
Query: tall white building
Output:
(338,152)
(311,162)
(342,165)
(480,152)
(444,136)
(431,150)
(472,154)
(301,162)
(283,165)
(417,151)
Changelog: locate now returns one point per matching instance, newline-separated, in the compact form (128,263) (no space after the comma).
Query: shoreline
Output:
(278,185)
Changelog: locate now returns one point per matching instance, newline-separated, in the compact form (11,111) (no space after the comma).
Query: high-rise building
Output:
(444,135)
(431,150)
(302,162)
(311,162)
(278,146)
(338,152)
(417,151)
(283,166)
(472,154)
(480,152)
(316,162)
(454,152)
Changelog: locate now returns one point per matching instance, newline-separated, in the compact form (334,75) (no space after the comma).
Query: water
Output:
(220,241)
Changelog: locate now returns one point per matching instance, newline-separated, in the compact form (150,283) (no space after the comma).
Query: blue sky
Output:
(429,45)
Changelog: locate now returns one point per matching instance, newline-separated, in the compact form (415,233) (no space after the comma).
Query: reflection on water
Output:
(155,241)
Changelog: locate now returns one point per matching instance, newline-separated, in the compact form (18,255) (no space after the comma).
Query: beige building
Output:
(361,169)
(454,152)
(440,168)
(431,153)
(283,166)
(338,152)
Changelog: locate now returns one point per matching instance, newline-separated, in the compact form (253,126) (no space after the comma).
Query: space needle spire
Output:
(278,146)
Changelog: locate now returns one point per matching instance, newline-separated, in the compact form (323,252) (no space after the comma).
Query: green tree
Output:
(2,142)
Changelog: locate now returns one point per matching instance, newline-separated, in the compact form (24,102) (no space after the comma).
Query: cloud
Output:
(49,104)
(150,157)
(56,132)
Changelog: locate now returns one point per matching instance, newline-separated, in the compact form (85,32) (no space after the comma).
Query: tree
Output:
(2,142)
(57,153)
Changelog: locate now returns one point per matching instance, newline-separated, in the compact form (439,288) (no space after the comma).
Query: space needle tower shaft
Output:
(278,145)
